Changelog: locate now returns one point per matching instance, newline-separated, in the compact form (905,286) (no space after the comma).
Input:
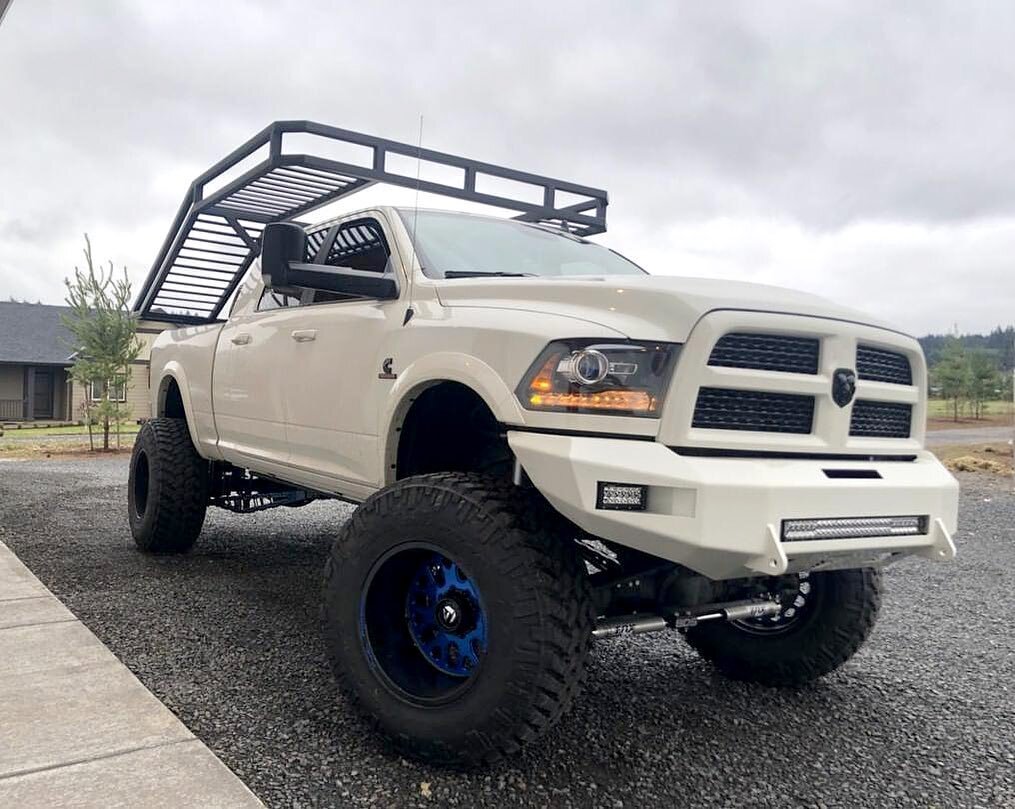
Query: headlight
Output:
(589,376)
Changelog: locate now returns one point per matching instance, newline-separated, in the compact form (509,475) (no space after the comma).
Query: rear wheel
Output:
(167,492)
(455,618)
(825,618)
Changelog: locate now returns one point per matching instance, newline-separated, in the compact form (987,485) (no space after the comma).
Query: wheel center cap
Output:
(448,614)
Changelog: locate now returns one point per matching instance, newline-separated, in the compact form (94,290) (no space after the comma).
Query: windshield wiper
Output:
(484,273)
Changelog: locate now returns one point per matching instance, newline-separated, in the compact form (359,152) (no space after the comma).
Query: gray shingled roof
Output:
(33,333)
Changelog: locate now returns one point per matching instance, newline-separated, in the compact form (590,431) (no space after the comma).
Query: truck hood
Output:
(640,307)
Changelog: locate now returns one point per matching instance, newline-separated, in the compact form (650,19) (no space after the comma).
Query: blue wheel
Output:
(456,616)
(423,624)
(445,617)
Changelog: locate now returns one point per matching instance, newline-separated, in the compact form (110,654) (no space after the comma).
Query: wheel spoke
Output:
(445,618)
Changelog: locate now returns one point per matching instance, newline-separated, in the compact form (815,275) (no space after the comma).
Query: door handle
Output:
(240,339)
(305,335)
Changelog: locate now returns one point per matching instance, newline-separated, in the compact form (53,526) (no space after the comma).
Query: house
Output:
(35,357)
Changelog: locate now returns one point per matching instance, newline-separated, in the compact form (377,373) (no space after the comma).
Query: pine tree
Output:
(951,374)
(105,340)
(984,380)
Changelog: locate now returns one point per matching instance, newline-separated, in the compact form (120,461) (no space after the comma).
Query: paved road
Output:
(227,637)
(968,435)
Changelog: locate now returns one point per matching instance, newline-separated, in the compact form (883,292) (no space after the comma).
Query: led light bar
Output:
(852,528)
(622,496)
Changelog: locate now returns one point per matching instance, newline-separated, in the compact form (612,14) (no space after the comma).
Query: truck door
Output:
(249,393)
(337,347)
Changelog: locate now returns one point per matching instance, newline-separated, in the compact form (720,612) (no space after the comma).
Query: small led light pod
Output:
(622,496)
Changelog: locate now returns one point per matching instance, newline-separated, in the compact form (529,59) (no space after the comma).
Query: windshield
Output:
(464,245)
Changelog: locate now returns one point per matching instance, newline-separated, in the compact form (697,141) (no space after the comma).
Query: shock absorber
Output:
(638,624)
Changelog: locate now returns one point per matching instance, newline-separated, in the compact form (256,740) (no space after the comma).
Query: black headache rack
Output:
(216,233)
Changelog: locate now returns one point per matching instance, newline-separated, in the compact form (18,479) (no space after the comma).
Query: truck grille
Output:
(879,365)
(880,419)
(728,409)
(766,352)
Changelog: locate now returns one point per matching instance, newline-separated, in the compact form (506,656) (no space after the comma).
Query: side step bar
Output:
(638,624)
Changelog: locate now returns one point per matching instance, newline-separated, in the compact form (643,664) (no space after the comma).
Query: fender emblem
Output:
(386,369)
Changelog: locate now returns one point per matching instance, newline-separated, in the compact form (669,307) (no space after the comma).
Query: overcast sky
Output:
(862,151)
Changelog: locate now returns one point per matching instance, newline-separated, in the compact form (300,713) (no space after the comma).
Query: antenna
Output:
(415,215)
(419,164)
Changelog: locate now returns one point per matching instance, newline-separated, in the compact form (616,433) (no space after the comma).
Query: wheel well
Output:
(172,401)
(449,428)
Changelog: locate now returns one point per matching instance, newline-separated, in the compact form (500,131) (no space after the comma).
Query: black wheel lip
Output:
(372,664)
(137,512)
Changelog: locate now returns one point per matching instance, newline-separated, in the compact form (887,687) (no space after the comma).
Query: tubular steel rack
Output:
(217,230)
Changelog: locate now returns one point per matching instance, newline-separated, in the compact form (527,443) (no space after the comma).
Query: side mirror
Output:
(344,281)
(282,243)
(283,251)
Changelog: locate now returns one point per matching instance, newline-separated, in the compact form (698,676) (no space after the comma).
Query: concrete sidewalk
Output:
(78,729)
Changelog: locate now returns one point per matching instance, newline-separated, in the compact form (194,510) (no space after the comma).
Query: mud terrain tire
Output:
(167,489)
(844,606)
(532,601)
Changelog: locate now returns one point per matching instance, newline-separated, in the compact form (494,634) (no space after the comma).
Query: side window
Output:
(320,296)
(360,245)
(315,239)
(278,299)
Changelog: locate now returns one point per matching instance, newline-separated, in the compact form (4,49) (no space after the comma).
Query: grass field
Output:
(939,415)
(78,429)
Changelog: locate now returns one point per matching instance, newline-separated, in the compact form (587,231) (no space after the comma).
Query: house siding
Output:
(12,381)
(69,397)
(137,394)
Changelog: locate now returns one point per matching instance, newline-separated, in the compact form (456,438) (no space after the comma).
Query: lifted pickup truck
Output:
(549,445)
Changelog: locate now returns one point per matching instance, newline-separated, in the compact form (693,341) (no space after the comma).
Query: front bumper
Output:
(722,517)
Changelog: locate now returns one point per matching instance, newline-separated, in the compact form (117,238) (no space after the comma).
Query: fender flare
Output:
(430,370)
(173,370)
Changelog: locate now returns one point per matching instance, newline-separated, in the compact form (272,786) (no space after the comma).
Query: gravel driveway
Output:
(227,637)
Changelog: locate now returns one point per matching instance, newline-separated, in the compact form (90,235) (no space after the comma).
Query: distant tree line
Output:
(971,370)
(999,344)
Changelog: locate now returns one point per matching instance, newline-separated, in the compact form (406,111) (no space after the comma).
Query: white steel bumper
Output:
(722,517)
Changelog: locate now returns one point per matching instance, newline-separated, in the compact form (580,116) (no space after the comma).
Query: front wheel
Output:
(455,619)
(825,618)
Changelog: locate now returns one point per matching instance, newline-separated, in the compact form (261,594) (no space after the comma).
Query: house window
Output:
(118,390)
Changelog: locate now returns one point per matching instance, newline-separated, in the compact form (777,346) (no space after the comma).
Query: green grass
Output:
(942,409)
(80,429)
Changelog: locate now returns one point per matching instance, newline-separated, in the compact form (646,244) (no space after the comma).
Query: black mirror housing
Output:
(344,281)
(283,264)
(282,243)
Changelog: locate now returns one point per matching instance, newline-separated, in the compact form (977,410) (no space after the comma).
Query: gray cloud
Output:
(785,122)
